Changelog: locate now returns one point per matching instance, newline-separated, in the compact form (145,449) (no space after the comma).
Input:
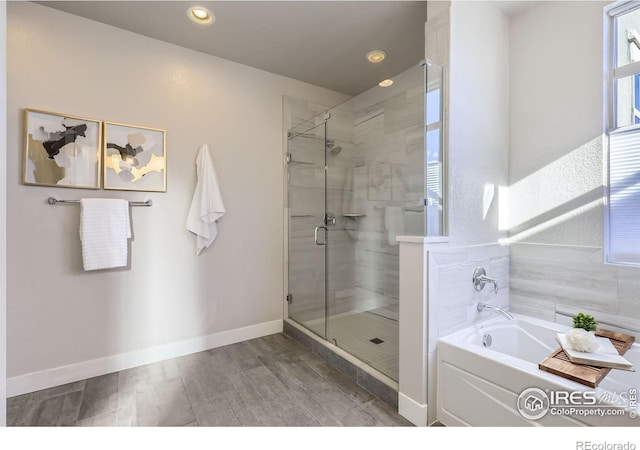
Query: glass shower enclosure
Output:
(357,179)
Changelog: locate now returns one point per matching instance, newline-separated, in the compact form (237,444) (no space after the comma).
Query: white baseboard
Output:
(57,376)
(411,410)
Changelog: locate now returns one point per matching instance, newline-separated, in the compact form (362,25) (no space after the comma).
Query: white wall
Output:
(555,160)
(3,209)
(478,119)
(58,314)
(471,40)
(556,170)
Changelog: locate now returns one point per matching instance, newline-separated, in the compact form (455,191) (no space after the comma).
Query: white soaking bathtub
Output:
(480,385)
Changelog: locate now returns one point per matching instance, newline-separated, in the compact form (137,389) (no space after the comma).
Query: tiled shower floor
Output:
(369,336)
(270,381)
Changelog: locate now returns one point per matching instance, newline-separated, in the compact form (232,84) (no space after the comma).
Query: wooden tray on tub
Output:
(558,363)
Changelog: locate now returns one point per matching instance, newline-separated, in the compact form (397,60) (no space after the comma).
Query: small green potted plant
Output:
(585,321)
(583,335)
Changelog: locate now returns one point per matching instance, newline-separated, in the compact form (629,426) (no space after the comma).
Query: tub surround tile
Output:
(546,279)
(452,297)
(579,283)
(533,307)
(615,322)
(629,290)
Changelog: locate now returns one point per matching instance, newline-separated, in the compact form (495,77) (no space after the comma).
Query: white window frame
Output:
(612,74)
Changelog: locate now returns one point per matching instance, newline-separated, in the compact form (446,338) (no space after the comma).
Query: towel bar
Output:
(54,201)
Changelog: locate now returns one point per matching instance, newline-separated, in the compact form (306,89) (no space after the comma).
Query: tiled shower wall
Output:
(372,184)
(389,140)
(553,282)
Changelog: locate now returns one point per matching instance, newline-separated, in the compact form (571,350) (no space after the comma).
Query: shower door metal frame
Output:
(290,298)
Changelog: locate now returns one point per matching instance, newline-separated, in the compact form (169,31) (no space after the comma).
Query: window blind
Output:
(624,197)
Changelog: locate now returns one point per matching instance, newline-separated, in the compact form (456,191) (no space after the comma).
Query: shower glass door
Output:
(357,182)
(307,230)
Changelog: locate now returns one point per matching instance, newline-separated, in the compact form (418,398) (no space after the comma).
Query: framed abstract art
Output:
(61,150)
(134,158)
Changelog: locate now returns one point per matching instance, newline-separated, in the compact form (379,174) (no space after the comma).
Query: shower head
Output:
(332,147)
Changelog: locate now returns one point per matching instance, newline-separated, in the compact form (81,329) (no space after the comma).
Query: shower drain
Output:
(376,341)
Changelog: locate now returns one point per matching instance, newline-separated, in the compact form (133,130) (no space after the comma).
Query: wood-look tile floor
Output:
(269,381)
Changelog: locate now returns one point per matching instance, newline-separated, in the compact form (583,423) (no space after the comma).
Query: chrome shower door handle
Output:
(315,235)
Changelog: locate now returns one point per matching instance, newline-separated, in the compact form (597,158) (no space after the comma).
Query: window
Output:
(623,202)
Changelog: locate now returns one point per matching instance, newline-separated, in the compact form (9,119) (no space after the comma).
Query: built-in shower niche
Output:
(356,181)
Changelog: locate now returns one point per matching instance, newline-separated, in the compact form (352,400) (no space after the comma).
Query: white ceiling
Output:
(514,7)
(320,42)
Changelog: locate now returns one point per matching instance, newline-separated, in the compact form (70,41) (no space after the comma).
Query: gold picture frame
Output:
(61,150)
(134,158)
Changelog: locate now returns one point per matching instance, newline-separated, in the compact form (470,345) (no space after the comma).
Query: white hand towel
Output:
(207,206)
(105,228)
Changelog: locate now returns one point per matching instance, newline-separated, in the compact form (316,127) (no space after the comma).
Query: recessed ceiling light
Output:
(200,15)
(376,56)
(385,83)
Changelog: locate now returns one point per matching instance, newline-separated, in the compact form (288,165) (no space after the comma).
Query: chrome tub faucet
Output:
(480,278)
(483,306)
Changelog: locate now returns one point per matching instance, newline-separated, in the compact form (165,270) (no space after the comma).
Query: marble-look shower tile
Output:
(369,126)
(403,111)
(391,287)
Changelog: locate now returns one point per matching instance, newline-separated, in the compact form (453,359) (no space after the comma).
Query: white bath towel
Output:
(207,206)
(105,228)
(353,192)
(393,223)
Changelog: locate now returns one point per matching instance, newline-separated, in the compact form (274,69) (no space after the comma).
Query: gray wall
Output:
(556,169)
(59,315)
